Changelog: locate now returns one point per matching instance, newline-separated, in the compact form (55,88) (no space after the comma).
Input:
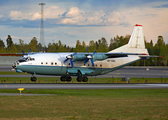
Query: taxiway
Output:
(128,71)
(83,86)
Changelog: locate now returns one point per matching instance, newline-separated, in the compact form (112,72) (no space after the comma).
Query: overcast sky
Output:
(84,20)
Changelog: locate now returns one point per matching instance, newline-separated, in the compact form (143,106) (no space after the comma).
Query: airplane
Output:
(84,64)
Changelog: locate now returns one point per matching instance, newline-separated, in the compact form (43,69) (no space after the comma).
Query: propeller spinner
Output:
(70,57)
(89,57)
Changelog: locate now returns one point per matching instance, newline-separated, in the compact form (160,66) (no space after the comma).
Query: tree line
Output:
(101,45)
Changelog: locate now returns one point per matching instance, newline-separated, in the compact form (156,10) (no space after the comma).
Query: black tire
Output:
(33,79)
(85,79)
(68,79)
(63,78)
(79,78)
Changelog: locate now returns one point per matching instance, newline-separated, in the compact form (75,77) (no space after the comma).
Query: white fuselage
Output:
(85,64)
(53,64)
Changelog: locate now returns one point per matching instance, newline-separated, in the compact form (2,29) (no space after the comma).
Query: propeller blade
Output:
(65,60)
(68,49)
(29,50)
(87,49)
(73,54)
(92,62)
(71,62)
(94,52)
(86,61)
(39,48)
(23,51)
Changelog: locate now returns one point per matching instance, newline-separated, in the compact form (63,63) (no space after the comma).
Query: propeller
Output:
(70,57)
(26,53)
(23,51)
(89,57)
(39,48)
(29,50)
(68,49)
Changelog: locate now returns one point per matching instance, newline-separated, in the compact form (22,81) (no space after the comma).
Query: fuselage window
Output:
(96,65)
(100,65)
(51,63)
(46,63)
(41,62)
(55,63)
(88,64)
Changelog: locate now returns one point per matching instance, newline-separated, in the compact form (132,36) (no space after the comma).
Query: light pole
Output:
(42,26)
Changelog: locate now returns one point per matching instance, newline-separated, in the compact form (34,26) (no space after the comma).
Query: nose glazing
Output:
(14,64)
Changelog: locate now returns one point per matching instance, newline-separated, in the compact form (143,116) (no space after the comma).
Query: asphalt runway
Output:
(6,68)
(128,71)
(83,86)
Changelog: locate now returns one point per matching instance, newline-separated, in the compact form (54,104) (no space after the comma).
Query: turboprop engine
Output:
(85,57)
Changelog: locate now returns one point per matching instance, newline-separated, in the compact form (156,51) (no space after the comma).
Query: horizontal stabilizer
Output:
(150,56)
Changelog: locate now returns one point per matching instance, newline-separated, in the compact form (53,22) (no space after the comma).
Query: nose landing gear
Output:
(33,79)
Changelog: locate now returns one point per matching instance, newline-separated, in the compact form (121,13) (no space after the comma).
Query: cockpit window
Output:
(25,59)
(32,59)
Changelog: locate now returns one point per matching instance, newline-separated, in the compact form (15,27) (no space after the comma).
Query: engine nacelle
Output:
(82,57)
(99,57)
(79,57)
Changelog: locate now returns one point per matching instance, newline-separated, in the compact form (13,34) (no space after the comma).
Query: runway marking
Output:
(116,73)
(164,85)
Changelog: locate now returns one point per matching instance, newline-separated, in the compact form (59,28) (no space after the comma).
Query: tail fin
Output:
(136,42)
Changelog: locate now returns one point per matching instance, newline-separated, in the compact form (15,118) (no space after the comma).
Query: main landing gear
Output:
(79,78)
(82,78)
(66,78)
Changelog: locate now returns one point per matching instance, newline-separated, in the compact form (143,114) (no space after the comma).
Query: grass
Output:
(111,104)
(10,73)
(90,80)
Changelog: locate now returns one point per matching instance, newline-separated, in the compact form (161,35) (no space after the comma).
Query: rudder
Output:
(137,38)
